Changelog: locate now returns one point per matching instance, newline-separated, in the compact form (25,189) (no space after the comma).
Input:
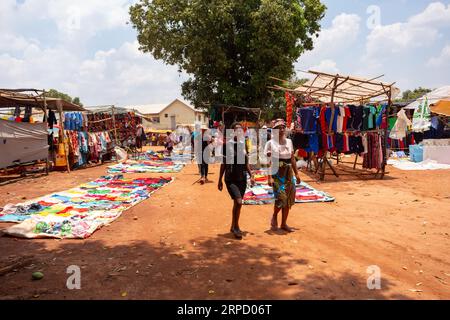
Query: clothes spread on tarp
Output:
(262,193)
(78,212)
(153,166)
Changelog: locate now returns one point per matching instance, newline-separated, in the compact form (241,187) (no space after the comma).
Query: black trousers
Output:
(203,169)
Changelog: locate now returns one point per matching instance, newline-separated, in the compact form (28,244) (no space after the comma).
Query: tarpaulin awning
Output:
(12,98)
(441,107)
(345,88)
(22,142)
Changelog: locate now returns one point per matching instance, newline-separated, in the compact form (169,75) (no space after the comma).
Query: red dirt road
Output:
(176,244)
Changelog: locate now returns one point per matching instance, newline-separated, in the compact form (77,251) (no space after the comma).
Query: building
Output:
(169,116)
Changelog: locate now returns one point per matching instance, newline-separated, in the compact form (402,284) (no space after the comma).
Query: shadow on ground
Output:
(217,268)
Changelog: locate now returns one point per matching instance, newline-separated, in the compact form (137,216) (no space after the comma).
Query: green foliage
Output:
(230,48)
(53,93)
(415,94)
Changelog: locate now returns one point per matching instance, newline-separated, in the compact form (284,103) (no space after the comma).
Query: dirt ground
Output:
(176,245)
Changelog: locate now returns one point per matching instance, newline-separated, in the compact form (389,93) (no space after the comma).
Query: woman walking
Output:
(281,151)
(235,166)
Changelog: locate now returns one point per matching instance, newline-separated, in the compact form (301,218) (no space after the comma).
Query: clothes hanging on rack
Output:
(398,132)
(373,159)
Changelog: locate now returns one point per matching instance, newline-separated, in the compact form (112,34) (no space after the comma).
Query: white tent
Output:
(441,93)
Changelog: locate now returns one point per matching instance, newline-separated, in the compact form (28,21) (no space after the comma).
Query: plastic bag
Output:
(121,154)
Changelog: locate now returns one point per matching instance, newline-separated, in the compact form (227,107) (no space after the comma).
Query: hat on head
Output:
(277,123)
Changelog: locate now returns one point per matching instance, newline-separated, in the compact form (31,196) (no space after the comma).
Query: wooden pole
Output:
(324,159)
(383,168)
(45,120)
(114,125)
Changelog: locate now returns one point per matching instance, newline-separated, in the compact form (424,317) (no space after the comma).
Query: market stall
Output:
(333,114)
(32,132)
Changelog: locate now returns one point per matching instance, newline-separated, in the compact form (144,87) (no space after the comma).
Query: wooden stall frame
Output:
(331,91)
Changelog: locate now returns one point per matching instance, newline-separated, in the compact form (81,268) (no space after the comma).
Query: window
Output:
(199,118)
(166,115)
(155,119)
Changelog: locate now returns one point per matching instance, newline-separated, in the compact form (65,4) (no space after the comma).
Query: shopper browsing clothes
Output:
(234,167)
(283,166)
(169,143)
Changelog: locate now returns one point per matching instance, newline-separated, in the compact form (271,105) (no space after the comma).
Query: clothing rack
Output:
(332,89)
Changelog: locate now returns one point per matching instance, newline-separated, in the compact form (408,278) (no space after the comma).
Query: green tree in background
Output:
(415,94)
(229,48)
(52,93)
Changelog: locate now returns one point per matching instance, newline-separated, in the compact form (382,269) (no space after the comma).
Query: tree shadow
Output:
(206,268)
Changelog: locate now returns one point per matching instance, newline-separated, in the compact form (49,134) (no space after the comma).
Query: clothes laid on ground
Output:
(150,166)
(262,193)
(405,164)
(78,212)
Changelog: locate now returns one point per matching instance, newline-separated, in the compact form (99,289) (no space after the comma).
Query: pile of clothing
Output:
(78,212)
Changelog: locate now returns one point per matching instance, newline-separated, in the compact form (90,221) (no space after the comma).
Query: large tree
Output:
(415,94)
(229,48)
(53,93)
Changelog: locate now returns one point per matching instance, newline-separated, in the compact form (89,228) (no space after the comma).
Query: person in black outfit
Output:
(204,159)
(234,167)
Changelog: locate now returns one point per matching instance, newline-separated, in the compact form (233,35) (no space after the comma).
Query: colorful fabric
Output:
(78,212)
(131,166)
(284,186)
(304,193)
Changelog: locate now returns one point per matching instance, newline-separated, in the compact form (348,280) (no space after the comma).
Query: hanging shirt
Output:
(398,132)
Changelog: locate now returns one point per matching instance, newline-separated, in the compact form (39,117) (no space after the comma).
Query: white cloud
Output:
(327,65)
(436,15)
(119,75)
(332,41)
(418,31)
(442,60)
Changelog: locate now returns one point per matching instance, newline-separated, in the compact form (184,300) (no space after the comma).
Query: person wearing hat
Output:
(234,167)
(281,151)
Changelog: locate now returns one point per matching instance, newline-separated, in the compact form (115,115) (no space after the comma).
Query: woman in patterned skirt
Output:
(281,152)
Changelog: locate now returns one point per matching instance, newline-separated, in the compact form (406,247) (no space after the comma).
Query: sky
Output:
(86,48)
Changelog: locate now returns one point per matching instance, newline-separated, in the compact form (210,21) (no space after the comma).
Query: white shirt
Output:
(280,151)
(398,132)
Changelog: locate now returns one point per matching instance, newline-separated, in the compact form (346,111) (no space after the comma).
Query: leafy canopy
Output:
(53,93)
(229,48)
